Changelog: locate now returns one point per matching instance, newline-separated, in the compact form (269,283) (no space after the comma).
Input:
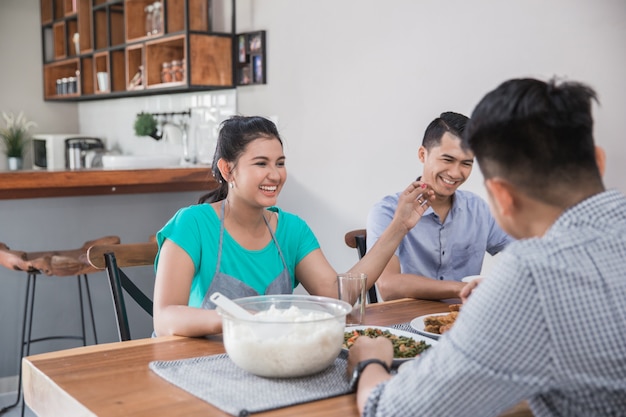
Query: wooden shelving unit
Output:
(82,38)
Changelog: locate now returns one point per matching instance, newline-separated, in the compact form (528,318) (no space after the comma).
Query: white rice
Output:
(304,342)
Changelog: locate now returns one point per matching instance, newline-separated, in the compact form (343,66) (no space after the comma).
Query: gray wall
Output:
(353,84)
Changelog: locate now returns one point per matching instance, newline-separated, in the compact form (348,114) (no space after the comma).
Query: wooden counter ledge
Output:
(40,184)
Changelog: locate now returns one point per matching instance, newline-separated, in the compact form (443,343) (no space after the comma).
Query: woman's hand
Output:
(413,202)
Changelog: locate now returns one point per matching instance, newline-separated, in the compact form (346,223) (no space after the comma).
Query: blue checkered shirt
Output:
(547,325)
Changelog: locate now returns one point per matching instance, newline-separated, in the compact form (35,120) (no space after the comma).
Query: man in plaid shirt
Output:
(548,324)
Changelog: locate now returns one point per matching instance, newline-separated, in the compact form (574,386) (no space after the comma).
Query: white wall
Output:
(355,82)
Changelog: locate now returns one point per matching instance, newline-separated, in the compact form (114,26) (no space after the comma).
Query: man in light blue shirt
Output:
(450,240)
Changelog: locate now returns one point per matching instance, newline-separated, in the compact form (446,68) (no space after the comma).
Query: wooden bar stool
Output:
(55,263)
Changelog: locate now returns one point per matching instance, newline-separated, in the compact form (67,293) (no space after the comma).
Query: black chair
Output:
(113,258)
(356,239)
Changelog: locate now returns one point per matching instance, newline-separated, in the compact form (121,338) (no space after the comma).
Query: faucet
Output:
(182,125)
(166,119)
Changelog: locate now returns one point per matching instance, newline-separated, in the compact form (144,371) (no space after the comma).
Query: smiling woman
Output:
(238,243)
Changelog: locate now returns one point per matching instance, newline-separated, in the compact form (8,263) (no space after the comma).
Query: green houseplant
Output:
(146,125)
(15,137)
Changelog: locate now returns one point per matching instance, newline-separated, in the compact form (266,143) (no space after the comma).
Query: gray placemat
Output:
(405,327)
(217,380)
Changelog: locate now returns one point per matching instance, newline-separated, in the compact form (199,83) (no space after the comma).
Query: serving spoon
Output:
(231,307)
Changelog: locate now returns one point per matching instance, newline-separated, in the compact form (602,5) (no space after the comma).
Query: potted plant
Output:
(15,138)
(146,125)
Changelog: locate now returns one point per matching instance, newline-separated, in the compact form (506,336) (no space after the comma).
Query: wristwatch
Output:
(360,367)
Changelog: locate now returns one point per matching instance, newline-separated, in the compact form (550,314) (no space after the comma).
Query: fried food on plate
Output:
(442,323)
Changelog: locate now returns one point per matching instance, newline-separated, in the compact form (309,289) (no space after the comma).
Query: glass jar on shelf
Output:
(166,72)
(177,71)
(72,85)
(157,18)
(149,11)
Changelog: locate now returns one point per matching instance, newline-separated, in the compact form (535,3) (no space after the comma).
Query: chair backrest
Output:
(113,258)
(357,239)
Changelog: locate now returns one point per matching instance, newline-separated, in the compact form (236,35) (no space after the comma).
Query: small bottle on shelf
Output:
(157,18)
(64,85)
(71,85)
(149,11)
(166,72)
(177,71)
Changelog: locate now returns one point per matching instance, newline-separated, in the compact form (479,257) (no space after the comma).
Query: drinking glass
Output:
(351,288)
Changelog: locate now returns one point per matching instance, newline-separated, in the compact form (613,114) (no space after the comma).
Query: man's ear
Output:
(601,160)
(421,154)
(502,195)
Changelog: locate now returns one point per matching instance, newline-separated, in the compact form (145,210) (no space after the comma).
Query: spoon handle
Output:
(230,306)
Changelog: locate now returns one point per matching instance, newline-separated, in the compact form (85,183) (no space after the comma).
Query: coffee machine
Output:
(83,152)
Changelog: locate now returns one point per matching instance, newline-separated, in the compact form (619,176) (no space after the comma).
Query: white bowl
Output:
(139,161)
(291,335)
(470,278)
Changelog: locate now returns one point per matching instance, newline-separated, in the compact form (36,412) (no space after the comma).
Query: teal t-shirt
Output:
(196,230)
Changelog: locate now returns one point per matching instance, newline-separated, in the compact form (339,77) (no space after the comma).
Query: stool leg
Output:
(93,321)
(22,343)
(82,311)
(33,278)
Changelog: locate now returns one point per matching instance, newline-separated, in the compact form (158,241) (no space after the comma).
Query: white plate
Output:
(416,337)
(418,324)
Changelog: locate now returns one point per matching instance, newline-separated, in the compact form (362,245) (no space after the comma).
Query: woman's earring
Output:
(231,184)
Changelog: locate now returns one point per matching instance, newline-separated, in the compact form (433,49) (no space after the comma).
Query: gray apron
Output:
(233,288)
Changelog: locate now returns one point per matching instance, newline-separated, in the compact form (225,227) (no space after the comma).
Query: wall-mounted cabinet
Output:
(114,48)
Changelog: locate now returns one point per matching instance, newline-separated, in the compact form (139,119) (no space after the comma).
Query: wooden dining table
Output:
(114,379)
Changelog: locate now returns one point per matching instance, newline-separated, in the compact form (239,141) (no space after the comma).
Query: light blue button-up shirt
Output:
(445,251)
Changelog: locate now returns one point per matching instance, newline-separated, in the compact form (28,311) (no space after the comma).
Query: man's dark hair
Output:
(537,135)
(446,122)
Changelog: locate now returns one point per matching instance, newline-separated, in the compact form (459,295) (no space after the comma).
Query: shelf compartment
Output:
(47,37)
(59,40)
(70,7)
(84,26)
(59,11)
(160,51)
(87,76)
(134,65)
(55,71)
(47,11)
(210,61)
(71,29)
(135,20)
(101,65)
(108,26)
(116,24)
(198,17)
(118,70)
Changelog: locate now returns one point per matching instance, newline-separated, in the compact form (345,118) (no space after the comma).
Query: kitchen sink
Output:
(139,161)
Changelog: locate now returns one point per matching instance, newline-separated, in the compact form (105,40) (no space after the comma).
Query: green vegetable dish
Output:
(403,347)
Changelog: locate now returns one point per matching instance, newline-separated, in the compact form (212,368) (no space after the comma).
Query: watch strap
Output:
(360,367)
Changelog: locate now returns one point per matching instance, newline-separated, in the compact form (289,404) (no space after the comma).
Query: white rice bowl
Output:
(293,335)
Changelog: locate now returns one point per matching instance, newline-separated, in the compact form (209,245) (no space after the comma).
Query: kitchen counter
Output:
(41,184)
